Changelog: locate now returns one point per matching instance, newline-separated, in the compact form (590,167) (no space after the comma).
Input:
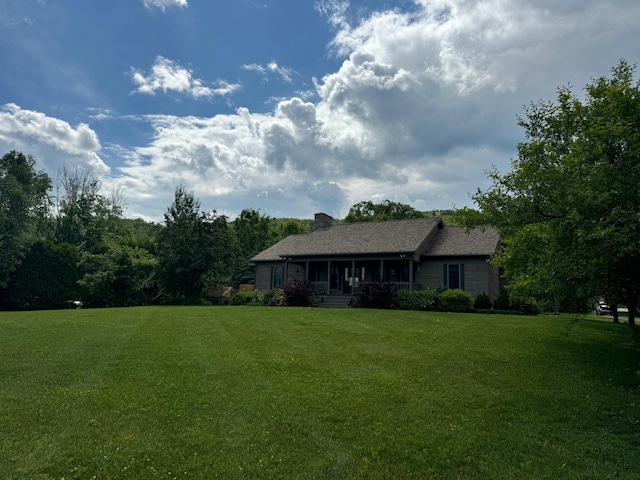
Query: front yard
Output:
(260,392)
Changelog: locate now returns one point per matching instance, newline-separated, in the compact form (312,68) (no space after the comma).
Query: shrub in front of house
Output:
(455,300)
(482,302)
(372,295)
(502,302)
(526,305)
(297,293)
(416,299)
(273,298)
(315,301)
(244,298)
(516,305)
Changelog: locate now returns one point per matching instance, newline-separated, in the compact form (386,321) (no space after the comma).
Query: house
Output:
(409,254)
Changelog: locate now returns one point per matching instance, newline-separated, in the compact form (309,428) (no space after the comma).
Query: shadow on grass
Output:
(606,351)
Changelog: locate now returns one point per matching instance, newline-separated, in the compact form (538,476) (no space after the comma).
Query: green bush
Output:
(315,300)
(527,305)
(416,299)
(244,298)
(482,302)
(455,300)
(273,298)
(519,303)
(502,302)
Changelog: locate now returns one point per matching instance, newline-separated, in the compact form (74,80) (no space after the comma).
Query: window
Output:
(277,277)
(454,276)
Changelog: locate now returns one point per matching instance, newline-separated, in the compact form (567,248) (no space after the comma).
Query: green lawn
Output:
(241,392)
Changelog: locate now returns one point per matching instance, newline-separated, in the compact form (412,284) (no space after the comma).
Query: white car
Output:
(602,308)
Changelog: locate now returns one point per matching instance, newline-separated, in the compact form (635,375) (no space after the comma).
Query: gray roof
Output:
(456,241)
(390,237)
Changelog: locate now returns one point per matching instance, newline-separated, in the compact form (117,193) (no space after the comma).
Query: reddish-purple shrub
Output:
(297,293)
(372,295)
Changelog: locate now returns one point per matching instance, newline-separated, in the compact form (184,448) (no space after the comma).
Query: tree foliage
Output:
(46,278)
(193,247)
(23,204)
(256,232)
(569,210)
(119,276)
(283,227)
(253,232)
(84,215)
(368,211)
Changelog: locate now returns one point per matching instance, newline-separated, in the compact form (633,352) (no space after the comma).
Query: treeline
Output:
(67,241)
(368,211)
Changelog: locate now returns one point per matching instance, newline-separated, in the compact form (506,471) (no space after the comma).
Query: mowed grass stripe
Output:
(244,392)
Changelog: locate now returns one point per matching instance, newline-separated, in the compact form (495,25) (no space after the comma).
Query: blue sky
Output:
(292,107)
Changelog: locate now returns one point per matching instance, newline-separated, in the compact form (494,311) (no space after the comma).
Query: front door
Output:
(339,278)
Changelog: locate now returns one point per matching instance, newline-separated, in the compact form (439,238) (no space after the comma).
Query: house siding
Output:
(263,274)
(479,275)
(296,271)
(264,269)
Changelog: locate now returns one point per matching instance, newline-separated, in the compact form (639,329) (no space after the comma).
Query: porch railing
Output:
(395,286)
(322,288)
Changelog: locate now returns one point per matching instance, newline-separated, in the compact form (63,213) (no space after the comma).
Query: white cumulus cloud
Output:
(167,75)
(52,141)
(232,161)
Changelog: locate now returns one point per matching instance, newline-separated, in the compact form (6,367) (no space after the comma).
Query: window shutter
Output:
(445,277)
(462,276)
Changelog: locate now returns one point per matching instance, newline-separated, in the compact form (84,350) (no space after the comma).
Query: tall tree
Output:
(23,203)
(84,215)
(46,278)
(254,233)
(119,276)
(569,210)
(194,248)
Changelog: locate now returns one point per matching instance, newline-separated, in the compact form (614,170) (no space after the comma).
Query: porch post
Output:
(411,274)
(381,271)
(306,272)
(353,276)
(328,277)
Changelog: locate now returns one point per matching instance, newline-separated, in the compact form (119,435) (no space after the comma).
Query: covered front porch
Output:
(341,277)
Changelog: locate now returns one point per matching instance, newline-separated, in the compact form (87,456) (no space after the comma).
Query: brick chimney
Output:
(322,221)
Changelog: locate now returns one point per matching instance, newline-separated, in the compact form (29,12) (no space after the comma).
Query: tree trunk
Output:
(632,305)
(614,312)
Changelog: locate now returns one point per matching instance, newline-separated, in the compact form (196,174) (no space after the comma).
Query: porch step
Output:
(336,301)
